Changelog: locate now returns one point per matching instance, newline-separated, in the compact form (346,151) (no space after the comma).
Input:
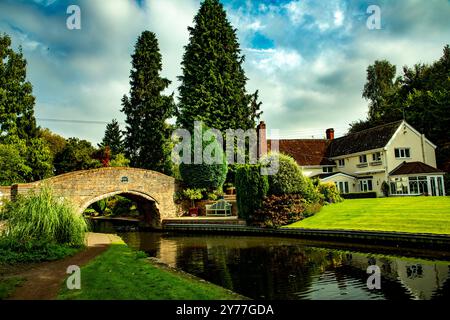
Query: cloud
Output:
(307,58)
(83,74)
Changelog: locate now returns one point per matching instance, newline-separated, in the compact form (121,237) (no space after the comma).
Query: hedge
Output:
(251,188)
(360,195)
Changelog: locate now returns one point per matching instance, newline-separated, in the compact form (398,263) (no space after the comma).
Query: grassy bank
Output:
(7,286)
(123,274)
(412,214)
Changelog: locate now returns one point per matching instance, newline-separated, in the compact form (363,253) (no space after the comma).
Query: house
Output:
(395,154)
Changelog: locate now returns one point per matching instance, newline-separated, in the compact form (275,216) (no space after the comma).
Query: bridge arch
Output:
(84,188)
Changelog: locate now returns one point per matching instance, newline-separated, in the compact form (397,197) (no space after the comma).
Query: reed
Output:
(42,217)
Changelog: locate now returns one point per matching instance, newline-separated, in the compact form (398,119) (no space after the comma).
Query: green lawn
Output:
(417,214)
(121,273)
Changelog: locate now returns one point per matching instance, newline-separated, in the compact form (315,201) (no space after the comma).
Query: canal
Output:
(271,268)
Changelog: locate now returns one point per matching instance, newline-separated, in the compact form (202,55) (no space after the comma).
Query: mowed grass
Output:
(123,274)
(412,214)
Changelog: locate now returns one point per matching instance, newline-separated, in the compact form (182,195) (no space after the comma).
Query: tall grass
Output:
(42,217)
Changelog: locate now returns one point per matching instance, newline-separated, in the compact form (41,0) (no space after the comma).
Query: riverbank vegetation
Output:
(408,214)
(124,274)
(40,227)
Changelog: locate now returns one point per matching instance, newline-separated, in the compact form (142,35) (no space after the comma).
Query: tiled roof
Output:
(370,139)
(413,168)
(307,152)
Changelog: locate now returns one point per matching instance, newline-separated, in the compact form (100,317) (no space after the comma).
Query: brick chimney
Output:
(330,134)
(262,139)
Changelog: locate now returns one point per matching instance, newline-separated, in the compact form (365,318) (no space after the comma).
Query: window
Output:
(399,186)
(328,169)
(343,187)
(363,159)
(376,156)
(365,185)
(342,163)
(403,153)
(418,185)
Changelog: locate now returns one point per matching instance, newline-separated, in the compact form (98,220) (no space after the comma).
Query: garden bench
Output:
(220,208)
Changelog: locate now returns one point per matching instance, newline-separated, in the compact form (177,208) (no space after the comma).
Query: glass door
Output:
(433,186)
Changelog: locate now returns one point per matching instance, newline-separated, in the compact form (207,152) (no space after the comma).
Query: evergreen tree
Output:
(16,98)
(213,82)
(147,138)
(113,138)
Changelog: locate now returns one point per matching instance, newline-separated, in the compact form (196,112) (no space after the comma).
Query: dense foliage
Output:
(76,155)
(421,95)
(278,211)
(147,136)
(213,83)
(251,188)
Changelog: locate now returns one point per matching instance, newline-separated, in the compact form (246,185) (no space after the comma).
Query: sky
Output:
(307,58)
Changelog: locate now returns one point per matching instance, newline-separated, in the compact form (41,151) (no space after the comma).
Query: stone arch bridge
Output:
(152,190)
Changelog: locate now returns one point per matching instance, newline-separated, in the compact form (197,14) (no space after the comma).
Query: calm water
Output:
(280,268)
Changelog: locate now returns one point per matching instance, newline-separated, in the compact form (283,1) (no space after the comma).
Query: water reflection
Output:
(274,268)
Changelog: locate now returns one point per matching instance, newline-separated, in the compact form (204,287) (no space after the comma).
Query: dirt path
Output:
(44,280)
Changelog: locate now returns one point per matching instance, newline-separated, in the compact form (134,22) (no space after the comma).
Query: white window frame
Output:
(376,156)
(341,163)
(327,169)
(365,183)
(402,153)
(362,157)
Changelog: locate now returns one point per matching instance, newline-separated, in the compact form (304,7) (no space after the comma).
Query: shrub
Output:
(12,252)
(311,209)
(192,195)
(360,195)
(251,188)
(330,192)
(209,176)
(289,178)
(278,211)
(41,217)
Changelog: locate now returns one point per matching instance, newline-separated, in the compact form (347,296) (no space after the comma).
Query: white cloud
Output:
(273,60)
(338,18)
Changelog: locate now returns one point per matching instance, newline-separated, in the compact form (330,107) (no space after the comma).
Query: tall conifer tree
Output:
(147,136)
(113,138)
(213,82)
